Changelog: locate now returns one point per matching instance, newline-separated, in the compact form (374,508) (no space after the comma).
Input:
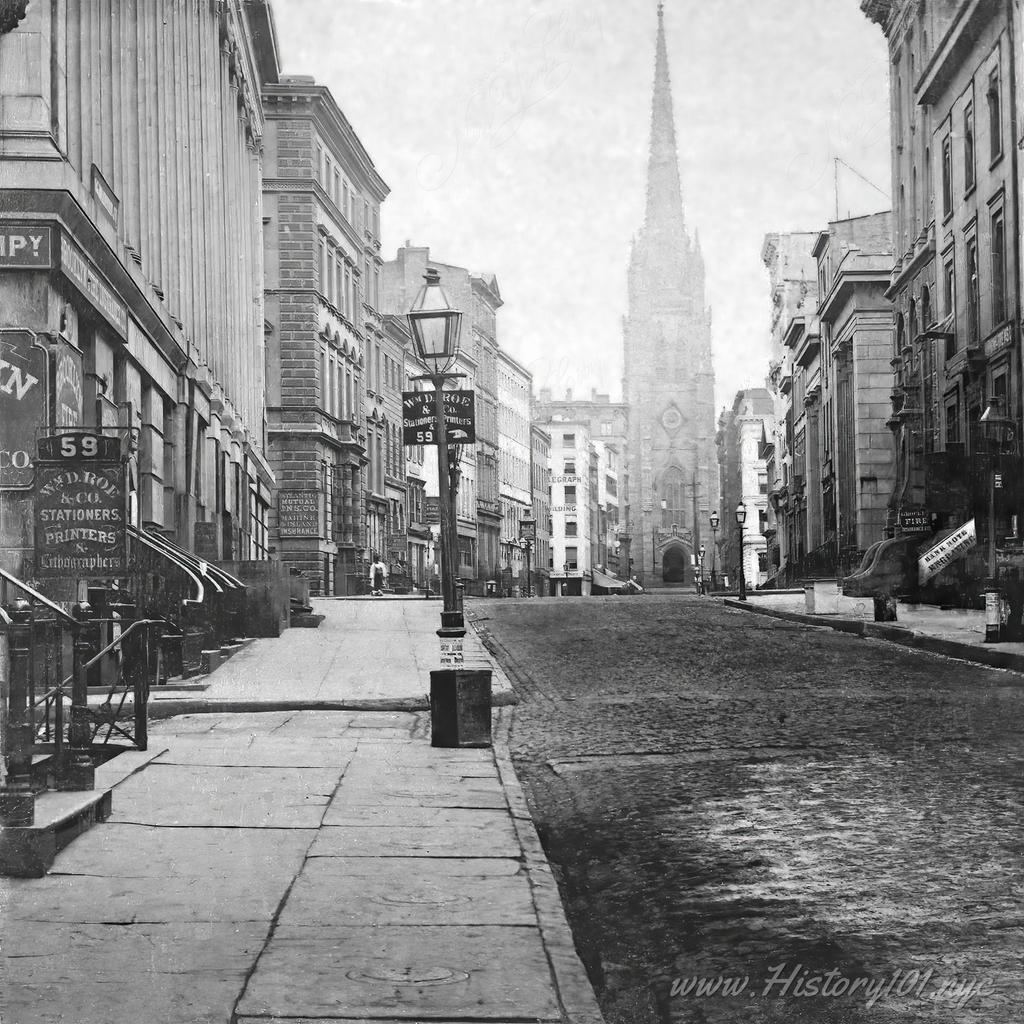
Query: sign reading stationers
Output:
(419,423)
(80,507)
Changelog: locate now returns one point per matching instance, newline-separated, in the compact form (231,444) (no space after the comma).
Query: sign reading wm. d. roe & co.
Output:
(80,519)
(298,513)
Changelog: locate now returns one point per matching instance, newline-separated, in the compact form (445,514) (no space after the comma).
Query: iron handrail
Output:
(113,643)
(144,538)
(10,578)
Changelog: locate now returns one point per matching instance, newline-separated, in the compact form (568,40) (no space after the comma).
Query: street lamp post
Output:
(700,588)
(713,519)
(741,516)
(528,532)
(435,330)
(994,425)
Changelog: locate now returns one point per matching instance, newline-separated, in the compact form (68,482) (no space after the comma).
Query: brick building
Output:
(130,142)
(331,370)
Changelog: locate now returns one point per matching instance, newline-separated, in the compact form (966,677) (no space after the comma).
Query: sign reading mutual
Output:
(80,504)
(23,402)
(950,548)
(298,513)
(419,422)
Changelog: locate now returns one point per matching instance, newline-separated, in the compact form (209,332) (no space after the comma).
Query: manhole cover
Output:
(420,899)
(408,975)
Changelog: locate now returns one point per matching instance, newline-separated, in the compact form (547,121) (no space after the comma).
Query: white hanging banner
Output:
(950,548)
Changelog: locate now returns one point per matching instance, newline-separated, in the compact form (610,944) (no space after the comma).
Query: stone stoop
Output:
(29,851)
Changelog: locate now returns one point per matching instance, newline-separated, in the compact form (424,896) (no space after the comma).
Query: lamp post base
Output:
(452,624)
(993,620)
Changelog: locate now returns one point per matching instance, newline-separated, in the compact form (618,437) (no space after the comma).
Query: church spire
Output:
(664,197)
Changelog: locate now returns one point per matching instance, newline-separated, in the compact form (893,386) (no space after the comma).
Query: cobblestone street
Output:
(733,798)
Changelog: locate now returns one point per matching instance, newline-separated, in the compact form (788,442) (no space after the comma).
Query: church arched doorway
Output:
(674,565)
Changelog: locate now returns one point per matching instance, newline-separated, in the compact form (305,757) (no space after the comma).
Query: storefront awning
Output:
(607,581)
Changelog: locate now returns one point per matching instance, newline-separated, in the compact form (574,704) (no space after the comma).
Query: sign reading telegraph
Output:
(419,423)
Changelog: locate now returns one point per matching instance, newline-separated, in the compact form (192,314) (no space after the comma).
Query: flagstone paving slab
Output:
(479,972)
(416,841)
(341,813)
(242,797)
(124,850)
(259,752)
(330,892)
(243,896)
(157,973)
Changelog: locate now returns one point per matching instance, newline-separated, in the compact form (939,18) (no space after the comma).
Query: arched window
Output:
(900,334)
(926,309)
(673,492)
(913,322)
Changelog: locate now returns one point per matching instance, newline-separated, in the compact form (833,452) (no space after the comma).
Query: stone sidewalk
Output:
(372,654)
(305,865)
(954,632)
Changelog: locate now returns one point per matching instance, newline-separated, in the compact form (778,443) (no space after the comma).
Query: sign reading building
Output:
(419,422)
(80,504)
(23,403)
(298,513)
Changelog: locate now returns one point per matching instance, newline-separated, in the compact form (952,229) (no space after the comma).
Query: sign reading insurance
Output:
(80,508)
(23,403)
(419,423)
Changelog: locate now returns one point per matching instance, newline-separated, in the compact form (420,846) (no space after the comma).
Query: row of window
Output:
(967,139)
(359,212)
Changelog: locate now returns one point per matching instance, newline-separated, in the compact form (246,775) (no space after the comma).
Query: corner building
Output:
(131,138)
(333,432)
(668,380)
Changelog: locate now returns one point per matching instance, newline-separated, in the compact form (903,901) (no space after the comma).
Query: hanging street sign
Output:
(80,505)
(419,423)
(24,398)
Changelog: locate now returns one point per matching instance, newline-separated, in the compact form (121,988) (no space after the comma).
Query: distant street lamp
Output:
(995,427)
(435,330)
(713,519)
(741,517)
(700,582)
(528,533)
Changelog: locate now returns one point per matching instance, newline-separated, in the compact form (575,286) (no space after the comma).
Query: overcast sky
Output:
(514,134)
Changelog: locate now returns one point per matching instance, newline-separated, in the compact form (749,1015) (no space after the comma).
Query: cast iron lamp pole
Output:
(435,330)
(700,588)
(528,531)
(992,423)
(713,519)
(741,516)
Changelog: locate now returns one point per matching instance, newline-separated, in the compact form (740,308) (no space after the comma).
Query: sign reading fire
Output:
(80,508)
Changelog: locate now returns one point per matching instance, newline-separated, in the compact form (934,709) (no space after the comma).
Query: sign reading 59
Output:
(78,445)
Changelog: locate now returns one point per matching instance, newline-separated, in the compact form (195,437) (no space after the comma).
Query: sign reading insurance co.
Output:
(23,403)
(298,513)
(80,507)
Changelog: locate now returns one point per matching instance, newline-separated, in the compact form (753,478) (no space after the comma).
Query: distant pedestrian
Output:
(378,577)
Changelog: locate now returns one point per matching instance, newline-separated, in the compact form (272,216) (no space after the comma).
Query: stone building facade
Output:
(515,384)
(142,287)
(540,485)
(668,381)
(955,281)
(331,407)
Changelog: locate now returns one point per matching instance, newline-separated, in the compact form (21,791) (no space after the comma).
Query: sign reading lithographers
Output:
(950,548)
(25,246)
(298,513)
(23,402)
(80,518)
(419,423)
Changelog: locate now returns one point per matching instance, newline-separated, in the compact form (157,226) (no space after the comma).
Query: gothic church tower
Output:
(668,382)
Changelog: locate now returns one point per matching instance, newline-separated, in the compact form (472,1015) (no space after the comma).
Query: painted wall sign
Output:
(917,521)
(298,513)
(80,519)
(106,198)
(23,404)
(419,421)
(67,385)
(431,511)
(78,270)
(26,246)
